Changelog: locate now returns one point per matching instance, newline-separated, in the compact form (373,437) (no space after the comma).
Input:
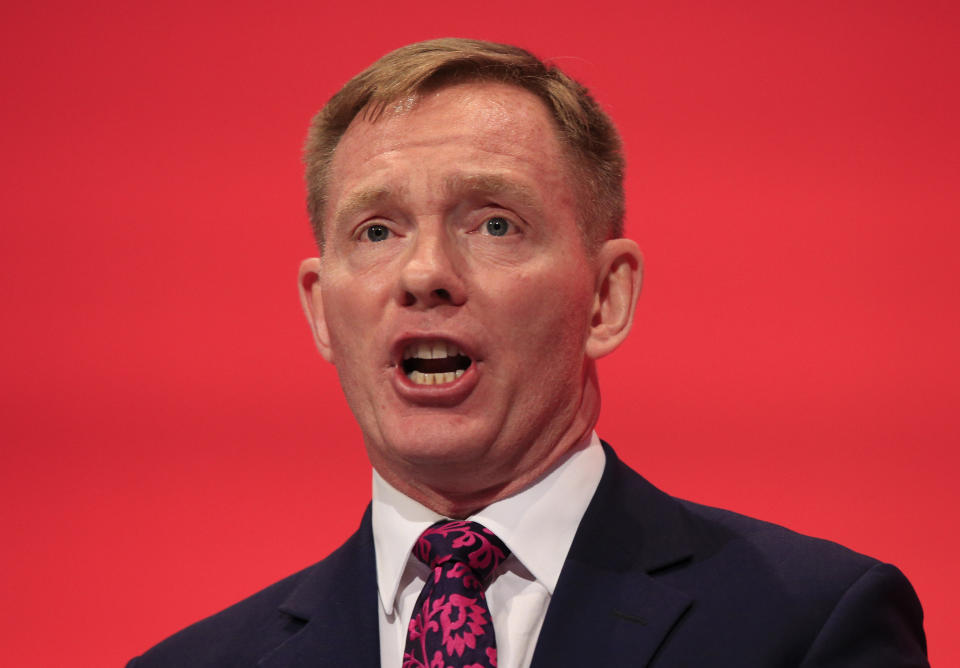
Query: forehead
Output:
(473,128)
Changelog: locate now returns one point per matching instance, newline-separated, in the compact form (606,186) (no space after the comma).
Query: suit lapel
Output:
(337,601)
(600,618)
(608,607)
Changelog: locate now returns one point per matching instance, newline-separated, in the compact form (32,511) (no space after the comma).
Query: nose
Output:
(431,274)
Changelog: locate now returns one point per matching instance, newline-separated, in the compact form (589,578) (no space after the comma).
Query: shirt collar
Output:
(537,524)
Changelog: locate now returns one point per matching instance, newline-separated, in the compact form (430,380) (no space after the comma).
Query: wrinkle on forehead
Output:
(500,120)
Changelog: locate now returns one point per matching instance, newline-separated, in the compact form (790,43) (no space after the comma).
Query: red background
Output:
(170,440)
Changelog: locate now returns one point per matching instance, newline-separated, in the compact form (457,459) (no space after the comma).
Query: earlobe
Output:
(312,301)
(620,274)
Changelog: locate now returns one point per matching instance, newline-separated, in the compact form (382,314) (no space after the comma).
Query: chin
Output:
(437,443)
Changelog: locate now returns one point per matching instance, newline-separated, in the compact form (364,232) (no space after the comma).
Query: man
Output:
(467,201)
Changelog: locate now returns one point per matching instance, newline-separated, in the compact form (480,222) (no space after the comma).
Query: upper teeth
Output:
(431,351)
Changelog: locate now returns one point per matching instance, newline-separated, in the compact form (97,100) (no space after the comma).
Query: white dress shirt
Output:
(538,525)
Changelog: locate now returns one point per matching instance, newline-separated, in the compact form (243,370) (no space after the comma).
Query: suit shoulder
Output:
(768,562)
(242,633)
(227,638)
(825,600)
(730,545)
(780,545)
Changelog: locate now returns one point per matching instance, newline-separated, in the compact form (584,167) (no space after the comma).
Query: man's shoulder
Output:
(229,637)
(748,552)
(799,566)
(779,543)
(253,627)
(819,598)
(754,592)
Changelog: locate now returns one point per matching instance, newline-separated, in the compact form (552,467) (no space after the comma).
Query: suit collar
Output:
(336,603)
(609,607)
(647,529)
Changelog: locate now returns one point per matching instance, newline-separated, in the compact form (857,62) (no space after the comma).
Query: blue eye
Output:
(377,233)
(497,226)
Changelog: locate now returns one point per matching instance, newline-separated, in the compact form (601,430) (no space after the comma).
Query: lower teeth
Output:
(420,378)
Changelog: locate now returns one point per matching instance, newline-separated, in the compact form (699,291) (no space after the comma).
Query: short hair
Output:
(584,130)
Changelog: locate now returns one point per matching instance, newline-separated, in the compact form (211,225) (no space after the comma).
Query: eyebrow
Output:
(455,185)
(361,200)
(493,185)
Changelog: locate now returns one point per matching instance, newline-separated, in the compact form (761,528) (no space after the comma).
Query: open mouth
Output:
(434,362)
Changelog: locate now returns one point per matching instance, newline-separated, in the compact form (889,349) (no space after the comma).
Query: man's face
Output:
(455,294)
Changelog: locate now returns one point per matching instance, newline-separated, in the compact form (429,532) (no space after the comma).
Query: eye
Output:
(377,233)
(497,226)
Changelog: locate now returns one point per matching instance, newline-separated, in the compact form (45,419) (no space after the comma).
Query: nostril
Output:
(442,293)
(409,299)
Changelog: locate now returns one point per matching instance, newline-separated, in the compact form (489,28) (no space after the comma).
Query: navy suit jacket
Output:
(650,581)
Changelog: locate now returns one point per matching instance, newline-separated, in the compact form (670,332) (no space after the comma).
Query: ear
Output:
(311,299)
(619,276)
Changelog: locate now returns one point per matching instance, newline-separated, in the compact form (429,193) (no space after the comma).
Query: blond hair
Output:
(583,128)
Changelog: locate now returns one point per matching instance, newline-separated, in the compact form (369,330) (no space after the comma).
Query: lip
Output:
(447,394)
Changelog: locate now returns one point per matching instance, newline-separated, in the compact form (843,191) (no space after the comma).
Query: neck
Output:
(440,486)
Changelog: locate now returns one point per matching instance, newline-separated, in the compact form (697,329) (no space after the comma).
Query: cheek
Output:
(350,320)
(552,311)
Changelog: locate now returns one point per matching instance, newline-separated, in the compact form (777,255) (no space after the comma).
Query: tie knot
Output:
(463,542)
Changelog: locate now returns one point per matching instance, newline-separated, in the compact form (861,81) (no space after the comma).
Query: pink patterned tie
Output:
(451,625)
